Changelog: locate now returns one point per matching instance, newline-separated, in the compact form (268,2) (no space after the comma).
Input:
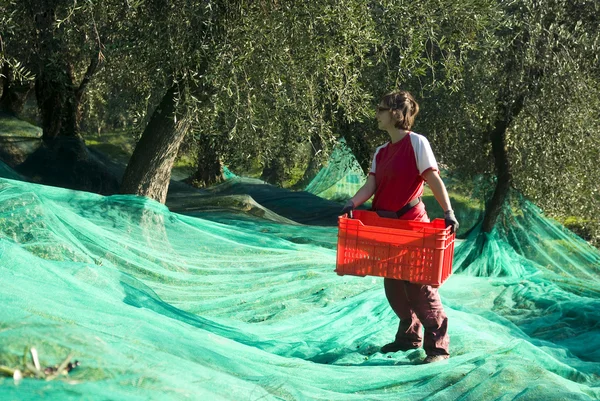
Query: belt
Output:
(401,212)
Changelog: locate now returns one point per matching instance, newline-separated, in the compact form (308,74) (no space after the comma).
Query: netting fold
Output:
(222,305)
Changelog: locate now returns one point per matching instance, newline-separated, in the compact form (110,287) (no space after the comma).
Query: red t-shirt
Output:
(398,169)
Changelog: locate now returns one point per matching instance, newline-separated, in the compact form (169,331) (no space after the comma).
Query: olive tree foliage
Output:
(156,77)
(524,112)
(15,79)
(139,67)
(152,48)
(422,47)
(173,60)
(60,42)
(282,75)
(555,147)
(290,78)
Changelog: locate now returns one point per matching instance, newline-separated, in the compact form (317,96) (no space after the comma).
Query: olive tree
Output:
(15,79)
(284,73)
(522,114)
(61,43)
(164,50)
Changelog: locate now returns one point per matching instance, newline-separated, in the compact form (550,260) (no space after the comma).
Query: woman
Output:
(398,172)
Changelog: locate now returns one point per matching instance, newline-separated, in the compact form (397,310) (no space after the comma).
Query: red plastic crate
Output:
(369,245)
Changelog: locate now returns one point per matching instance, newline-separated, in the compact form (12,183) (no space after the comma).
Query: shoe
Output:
(395,347)
(435,358)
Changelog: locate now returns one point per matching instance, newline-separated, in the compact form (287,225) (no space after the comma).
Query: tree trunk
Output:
(13,94)
(503,174)
(54,82)
(274,172)
(149,170)
(58,96)
(314,163)
(503,170)
(210,169)
(59,107)
(358,143)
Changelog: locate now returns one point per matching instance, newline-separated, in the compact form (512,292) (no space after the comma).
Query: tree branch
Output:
(94,64)
(91,70)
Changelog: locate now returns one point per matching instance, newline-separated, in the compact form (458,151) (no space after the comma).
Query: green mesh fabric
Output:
(340,178)
(7,172)
(228,174)
(526,243)
(166,306)
(290,206)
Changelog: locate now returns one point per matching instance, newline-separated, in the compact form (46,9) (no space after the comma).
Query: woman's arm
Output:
(365,192)
(361,196)
(441,195)
(438,188)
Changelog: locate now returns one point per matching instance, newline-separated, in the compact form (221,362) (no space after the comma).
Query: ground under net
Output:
(160,305)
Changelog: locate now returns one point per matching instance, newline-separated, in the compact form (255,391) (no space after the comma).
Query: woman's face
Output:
(384,117)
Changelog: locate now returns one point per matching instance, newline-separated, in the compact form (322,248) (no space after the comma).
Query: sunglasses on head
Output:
(381,108)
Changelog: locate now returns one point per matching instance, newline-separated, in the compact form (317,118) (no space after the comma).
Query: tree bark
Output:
(314,163)
(210,169)
(274,172)
(54,80)
(149,170)
(358,143)
(58,96)
(57,102)
(501,161)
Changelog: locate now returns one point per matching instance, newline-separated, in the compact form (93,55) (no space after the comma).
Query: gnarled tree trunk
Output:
(58,95)
(314,163)
(57,103)
(210,169)
(274,172)
(149,170)
(503,171)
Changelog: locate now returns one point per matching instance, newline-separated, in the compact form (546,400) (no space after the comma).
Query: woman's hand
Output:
(451,221)
(348,207)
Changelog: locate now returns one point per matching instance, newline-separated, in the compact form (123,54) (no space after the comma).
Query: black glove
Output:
(348,208)
(451,221)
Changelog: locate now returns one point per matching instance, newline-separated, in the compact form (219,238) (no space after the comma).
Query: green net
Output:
(526,243)
(7,172)
(341,176)
(228,174)
(226,304)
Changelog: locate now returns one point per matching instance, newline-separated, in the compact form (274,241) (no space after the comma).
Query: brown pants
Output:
(418,306)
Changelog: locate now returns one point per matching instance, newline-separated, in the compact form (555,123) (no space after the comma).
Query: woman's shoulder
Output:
(381,147)
(418,136)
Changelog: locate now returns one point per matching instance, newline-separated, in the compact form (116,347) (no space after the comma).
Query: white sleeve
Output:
(423,153)
(374,162)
